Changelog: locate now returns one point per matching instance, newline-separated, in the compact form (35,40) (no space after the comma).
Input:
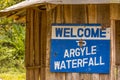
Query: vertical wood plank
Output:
(31,45)
(103,14)
(84,76)
(29,50)
(117,41)
(36,43)
(104,77)
(43,45)
(78,14)
(59,13)
(113,51)
(92,14)
(27,44)
(75,76)
(68,13)
(48,21)
(51,18)
(115,11)
(117,48)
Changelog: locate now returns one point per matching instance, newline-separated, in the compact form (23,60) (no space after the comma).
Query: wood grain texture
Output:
(43,33)
(92,14)
(51,18)
(38,38)
(84,76)
(27,45)
(36,44)
(32,45)
(78,14)
(115,11)
(103,14)
(113,51)
(117,41)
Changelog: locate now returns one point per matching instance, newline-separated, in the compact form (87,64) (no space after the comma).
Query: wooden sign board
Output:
(80,48)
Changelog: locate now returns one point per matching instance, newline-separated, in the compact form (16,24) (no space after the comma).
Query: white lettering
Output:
(62,66)
(72,52)
(77,53)
(57,65)
(87,53)
(101,63)
(68,63)
(77,63)
(74,63)
(85,61)
(80,62)
(66,54)
(93,50)
(95,61)
(91,63)
(82,51)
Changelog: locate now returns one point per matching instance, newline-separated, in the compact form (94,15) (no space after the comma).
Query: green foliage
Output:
(12,48)
(7,3)
(12,41)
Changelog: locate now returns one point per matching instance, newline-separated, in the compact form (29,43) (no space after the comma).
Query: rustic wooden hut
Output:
(40,14)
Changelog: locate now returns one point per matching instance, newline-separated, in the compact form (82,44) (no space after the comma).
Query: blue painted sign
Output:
(80,48)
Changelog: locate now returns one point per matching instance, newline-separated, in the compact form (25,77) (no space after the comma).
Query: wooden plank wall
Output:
(117,42)
(77,14)
(38,36)
(115,28)
(35,44)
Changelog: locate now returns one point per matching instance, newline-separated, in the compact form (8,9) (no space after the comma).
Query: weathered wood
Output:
(36,43)
(78,14)
(43,44)
(59,13)
(104,77)
(68,76)
(117,39)
(75,76)
(50,19)
(113,51)
(22,19)
(84,76)
(92,14)
(67,16)
(103,14)
(115,11)
(27,44)
(31,44)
